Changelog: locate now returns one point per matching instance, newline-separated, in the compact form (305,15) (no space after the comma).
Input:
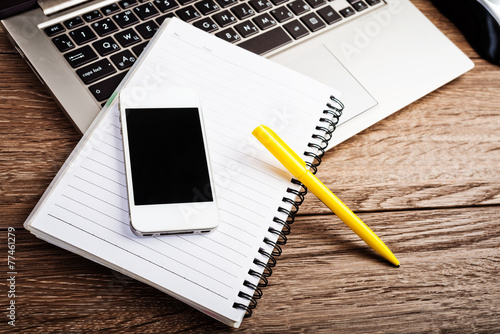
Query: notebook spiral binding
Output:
(325,130)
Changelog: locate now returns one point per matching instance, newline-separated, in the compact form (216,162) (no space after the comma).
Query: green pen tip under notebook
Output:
(301,172)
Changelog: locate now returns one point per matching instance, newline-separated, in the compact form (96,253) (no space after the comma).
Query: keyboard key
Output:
(103,90)
(264,21)
(313,22)
(206,24)
(80,56)
(278,2)
(224,18)
(246,29)
(166,5)
(282,14)
(226,3)
(127,3)
(104,27)
(92,16)
(63,43)
(73,23)
(82,35)
(147,29)
(106,46)
(266,42)
(162,18)
(127,37)
(346,12)
(146,11)
(108,10)
(124,59)
(260,5)
(96,71)
(242,11)
(54,30)
(372,2)
(358,4)
(139,48)
(125,19)
(185,2)
(188,14)
(329,15)
(299,7)
(207,7)
(229,35)
(316,3)
(296,29)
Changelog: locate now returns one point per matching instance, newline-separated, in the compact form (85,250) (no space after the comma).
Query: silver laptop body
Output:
(380,60)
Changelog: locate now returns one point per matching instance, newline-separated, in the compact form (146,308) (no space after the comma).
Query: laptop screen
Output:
(12,7)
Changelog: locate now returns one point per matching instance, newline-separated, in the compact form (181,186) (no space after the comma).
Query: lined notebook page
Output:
(86,208)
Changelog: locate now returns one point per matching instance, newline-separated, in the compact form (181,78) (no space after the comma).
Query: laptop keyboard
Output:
(101,45)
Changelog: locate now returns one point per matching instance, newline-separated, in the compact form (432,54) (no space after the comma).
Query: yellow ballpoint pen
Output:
(300,171)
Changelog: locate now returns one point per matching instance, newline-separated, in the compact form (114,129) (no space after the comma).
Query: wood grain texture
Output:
(5,45)
(426,179)
(327,280)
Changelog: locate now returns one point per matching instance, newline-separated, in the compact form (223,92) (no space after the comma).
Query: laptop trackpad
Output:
(320,64)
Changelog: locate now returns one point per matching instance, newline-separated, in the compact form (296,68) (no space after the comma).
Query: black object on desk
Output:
(480,26)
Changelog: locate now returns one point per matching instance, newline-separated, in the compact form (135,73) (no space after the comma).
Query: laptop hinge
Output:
(50,7)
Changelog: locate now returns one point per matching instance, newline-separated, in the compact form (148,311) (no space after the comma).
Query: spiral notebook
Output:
(221,273)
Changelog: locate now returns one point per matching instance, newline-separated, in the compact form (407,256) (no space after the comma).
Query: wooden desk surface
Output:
(426,179)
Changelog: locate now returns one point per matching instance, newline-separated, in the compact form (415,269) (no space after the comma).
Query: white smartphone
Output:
(167,166)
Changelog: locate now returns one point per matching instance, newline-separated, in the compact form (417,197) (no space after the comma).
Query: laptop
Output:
(380,55)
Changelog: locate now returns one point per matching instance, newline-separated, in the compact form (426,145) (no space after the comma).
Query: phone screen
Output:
(167,156)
